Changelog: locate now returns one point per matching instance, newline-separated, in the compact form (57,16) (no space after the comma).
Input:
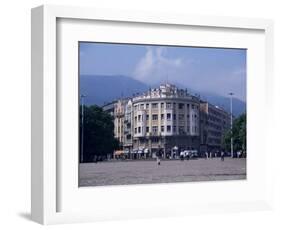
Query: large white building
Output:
(165,118)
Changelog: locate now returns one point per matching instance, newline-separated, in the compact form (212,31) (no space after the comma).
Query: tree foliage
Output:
(98,133)
(239,135)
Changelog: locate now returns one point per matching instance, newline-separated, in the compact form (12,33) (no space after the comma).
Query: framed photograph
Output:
(138,115)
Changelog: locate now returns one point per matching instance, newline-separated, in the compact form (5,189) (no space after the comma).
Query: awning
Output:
(118,152)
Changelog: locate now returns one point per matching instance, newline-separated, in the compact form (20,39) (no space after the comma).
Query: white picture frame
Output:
(54,201)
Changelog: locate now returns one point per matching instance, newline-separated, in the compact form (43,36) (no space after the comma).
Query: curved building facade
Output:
(164,119)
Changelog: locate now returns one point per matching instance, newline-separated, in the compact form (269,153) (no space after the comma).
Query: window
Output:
(192,106)
(142,106)
(174,129)
(168,105)
(162,128)
(154,140)
(181,129)
(135,119)
(187,106)
(193,117)
(187,116)
(136,130)
(181,117)
(147,106)
(174,116)
(147,117)
(181,105)
(162,116)
(147,129)
(154,117)
(168,116)
(162,105)
(142,141)
(154,105)
(168,128)
(139,129)
(139,117)
(154,129)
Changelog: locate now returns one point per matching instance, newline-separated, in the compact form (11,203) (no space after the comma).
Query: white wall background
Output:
(15,112)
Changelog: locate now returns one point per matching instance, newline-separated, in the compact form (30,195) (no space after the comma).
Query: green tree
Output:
(98,133)
(239,134)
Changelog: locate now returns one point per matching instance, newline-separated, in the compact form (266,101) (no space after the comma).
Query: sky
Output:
(213,70)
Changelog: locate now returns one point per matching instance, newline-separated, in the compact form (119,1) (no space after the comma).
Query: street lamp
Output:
(231,124)
(82,129)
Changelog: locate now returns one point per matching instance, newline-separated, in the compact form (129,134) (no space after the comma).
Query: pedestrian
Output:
(182,156)
(158,160)
(187,155)
(158,156)
(222,155)
(238,154)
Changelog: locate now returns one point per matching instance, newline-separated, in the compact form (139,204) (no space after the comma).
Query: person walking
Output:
(222,155)
(158,156)
(158,160)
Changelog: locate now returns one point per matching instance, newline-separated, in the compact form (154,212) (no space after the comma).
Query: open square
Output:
(148,172)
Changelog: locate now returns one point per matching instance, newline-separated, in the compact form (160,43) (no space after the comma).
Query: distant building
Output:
(128,127)
(109,107)
(119,118)
(214,122)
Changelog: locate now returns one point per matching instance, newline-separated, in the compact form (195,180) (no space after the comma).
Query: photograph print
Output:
(151,114)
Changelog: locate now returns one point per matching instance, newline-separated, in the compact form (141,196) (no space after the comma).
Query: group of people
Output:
(215,154)
(210,154)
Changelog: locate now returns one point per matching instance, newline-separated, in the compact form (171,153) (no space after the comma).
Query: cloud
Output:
(155,66)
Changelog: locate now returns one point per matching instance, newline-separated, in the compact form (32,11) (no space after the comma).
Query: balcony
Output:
(154,134)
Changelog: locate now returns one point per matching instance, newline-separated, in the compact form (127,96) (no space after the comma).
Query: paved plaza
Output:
(147,172)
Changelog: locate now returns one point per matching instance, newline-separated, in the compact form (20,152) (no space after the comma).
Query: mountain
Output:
(100,89)
(238,106)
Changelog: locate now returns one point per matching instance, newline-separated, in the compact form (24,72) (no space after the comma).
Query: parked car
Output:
(193,154)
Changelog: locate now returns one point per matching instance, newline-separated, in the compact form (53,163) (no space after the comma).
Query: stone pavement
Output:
(147,172)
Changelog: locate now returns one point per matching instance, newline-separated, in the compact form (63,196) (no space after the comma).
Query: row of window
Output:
(168,129)
(139,118)
(218,113)
(214,126)
(167,105)
(214,119)
(214,133)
